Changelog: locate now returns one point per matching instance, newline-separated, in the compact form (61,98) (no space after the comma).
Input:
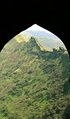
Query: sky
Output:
(36,27)
(42,32)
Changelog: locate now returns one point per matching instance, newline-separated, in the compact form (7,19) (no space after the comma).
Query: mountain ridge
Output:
(49,43)
(34,83)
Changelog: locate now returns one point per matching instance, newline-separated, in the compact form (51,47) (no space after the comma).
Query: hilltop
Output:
(47,39)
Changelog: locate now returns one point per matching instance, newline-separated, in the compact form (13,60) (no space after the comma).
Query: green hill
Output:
(34,82)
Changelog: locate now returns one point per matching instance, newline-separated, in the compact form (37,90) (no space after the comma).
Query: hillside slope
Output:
(33,81)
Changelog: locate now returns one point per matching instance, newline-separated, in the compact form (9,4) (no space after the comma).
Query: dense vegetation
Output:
(34,83)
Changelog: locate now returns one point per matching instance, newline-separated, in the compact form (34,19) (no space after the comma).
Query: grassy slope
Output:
(33,81)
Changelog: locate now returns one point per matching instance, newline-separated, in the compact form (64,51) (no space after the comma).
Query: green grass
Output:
(33,82)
